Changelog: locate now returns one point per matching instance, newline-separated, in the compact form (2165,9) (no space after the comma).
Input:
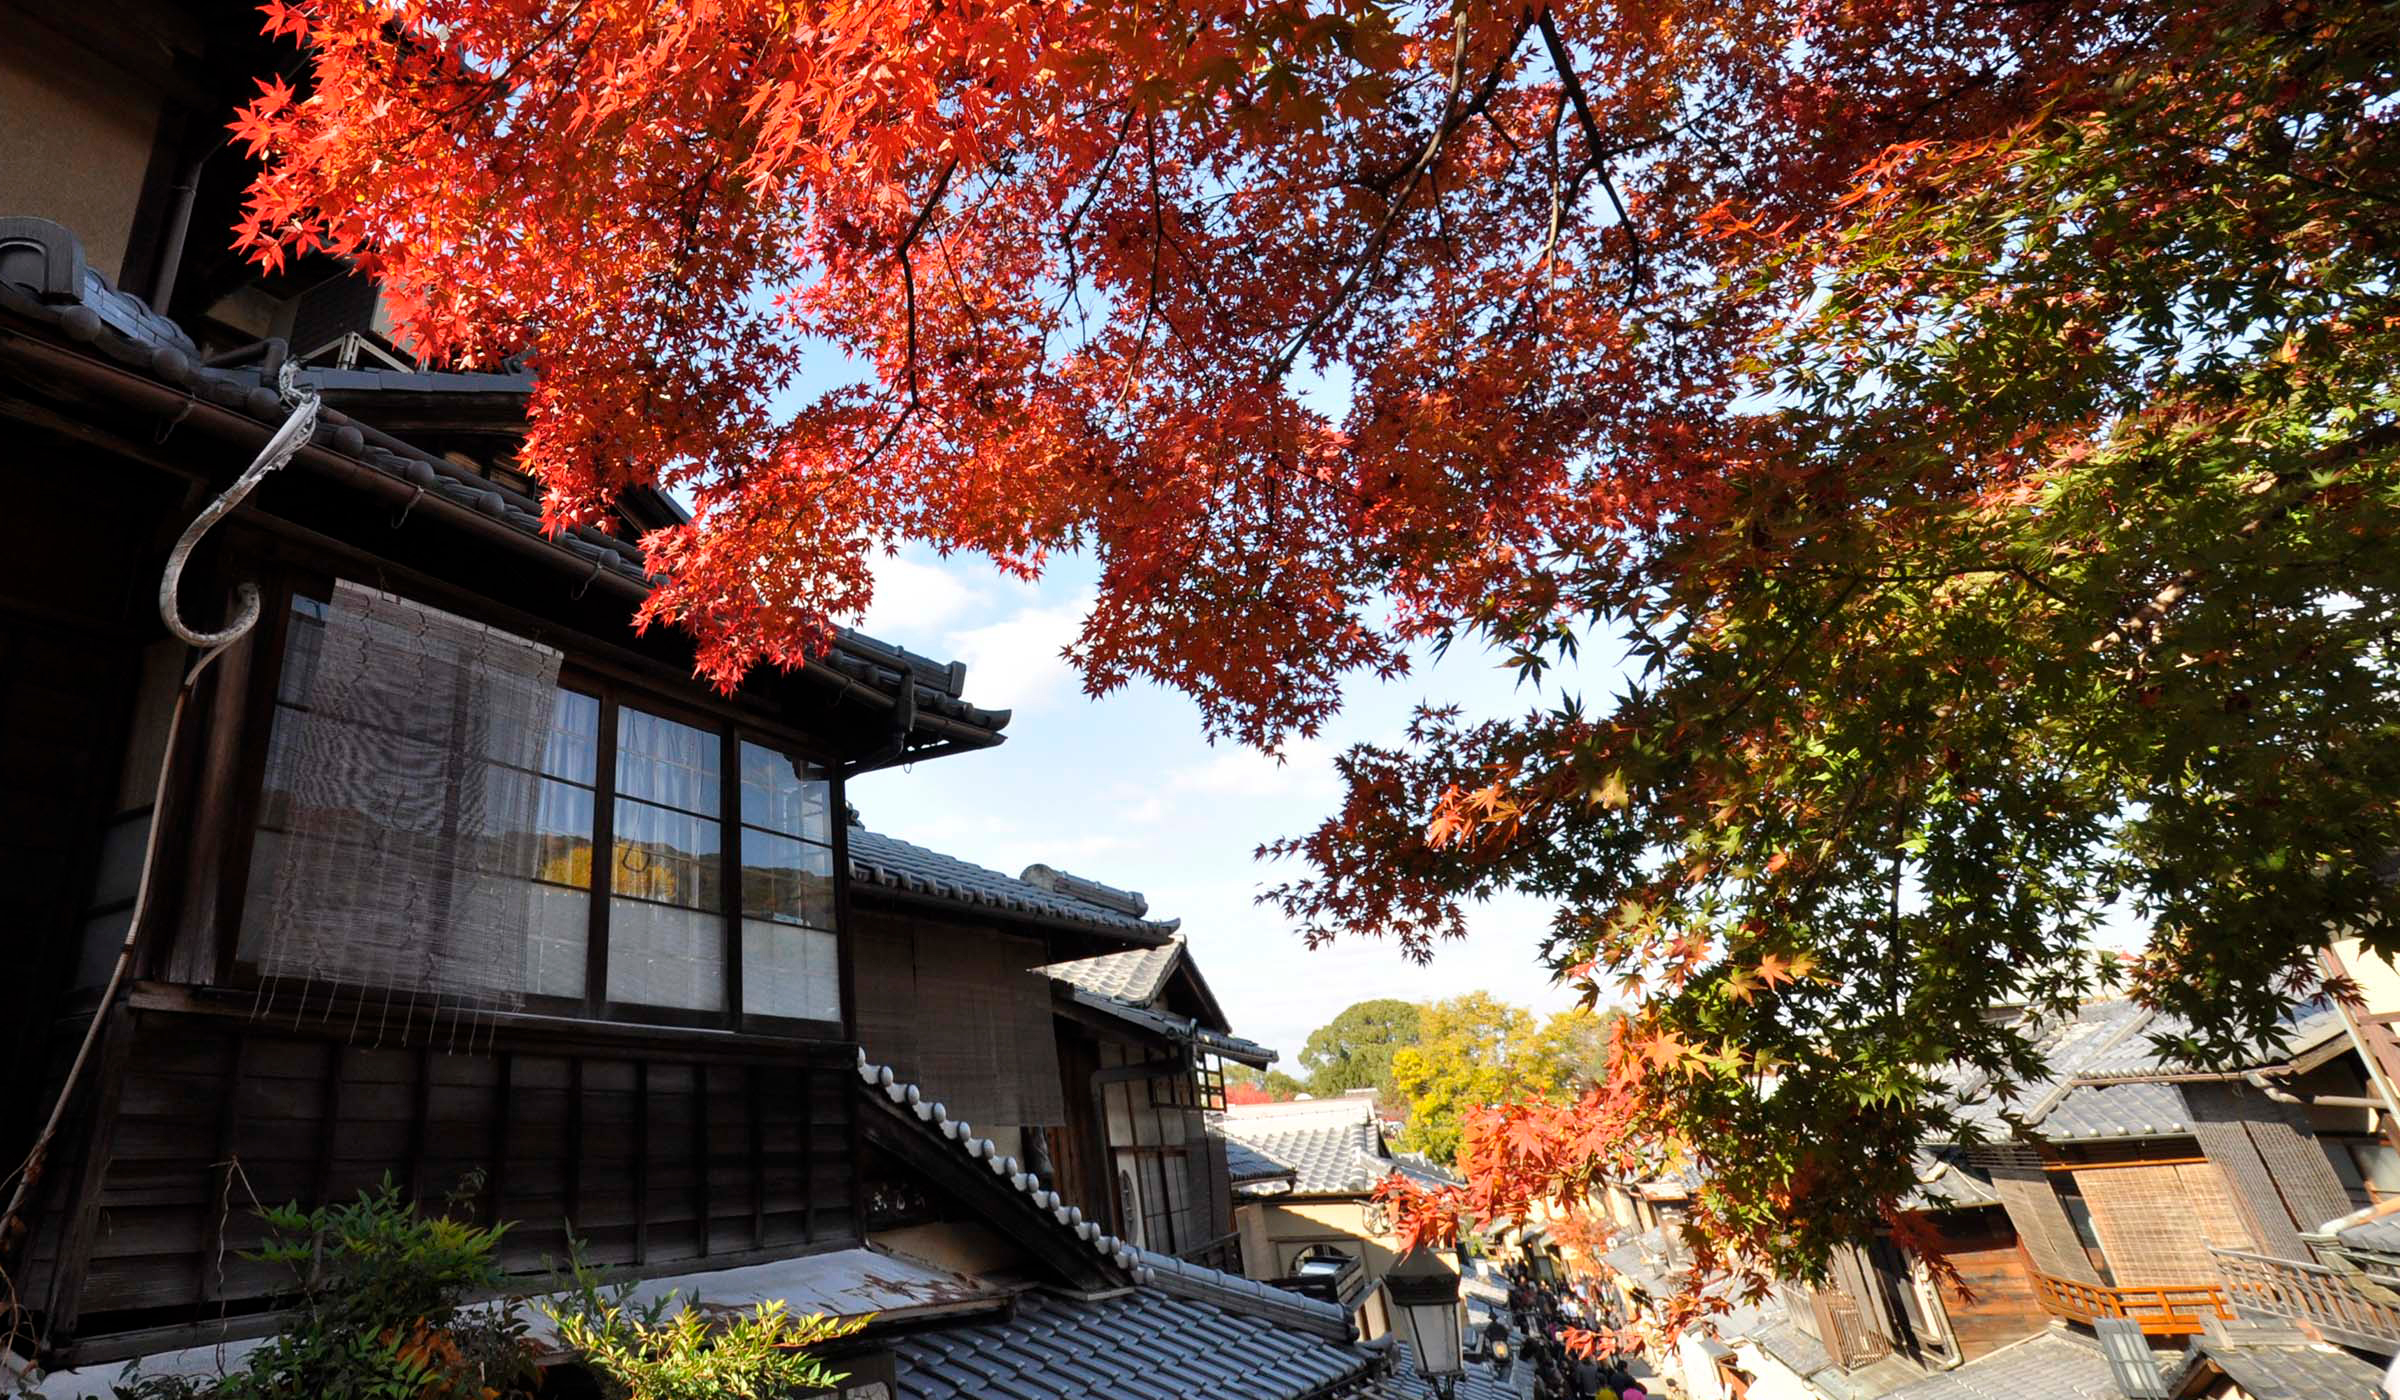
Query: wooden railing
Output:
(2322,1297)
(2163,1310)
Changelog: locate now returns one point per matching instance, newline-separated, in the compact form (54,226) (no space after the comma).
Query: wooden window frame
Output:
(613,687)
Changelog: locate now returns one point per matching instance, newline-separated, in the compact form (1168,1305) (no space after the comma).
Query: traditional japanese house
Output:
(441,868)
(1078,1030)
(1320,1224)
(2125,1189)
(1142,1044)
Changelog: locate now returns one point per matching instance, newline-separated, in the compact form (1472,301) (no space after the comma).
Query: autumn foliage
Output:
(1975,422)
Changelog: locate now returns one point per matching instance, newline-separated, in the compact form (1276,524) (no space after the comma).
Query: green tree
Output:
(1476,1050)
(1354,1049)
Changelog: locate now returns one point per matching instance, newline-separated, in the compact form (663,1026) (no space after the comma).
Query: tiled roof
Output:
(2090,1111)
(1182,1331)
(1945,1182)
(2380,1235)
(2280,1362)
(1200,1284)
(2306,1028)
(2107,1077)
(934,1119)
(114,327)
(1232,1047)
(1247,1166)
(1333,1146)
(2046,1366)
(1479,1383)
(1796,1349)
(1143,1345)
(890,863)
(1136,975)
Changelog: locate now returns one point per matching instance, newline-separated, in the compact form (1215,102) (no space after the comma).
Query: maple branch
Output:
(1158,237)
(908,289)
(2144,620)
(1572,84)
(1454,116)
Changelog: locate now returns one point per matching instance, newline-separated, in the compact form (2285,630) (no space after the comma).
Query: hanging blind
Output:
(955,1010)
(2042,1223)
(408,768)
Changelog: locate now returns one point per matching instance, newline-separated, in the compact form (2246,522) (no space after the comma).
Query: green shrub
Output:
(375,1312)
(659,1351)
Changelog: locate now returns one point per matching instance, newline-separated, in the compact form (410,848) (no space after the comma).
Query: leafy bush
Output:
(379,1312)
(660,1351)
(376,1312)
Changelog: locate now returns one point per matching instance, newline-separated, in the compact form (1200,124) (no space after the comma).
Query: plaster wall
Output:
(1279,1234)
(1772,1379)
(75,139)
(1695,1368)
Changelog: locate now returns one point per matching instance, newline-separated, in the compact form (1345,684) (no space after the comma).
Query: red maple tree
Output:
(1974,416)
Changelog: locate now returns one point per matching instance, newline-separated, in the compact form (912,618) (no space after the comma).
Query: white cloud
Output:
(1016,663)
(1306,771)
(913,600)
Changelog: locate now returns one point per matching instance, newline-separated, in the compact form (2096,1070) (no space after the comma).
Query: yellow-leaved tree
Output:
(1477,1049)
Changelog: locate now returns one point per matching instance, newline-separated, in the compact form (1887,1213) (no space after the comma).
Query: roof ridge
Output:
(1237,1294)
(2065,1084)
(935,1117)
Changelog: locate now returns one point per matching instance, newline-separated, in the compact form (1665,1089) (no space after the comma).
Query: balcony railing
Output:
(2163,1310)
(2312,1293)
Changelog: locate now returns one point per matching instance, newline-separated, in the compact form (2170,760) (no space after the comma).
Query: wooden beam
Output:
(83,1222)
(504,1112)
(641,1162)
(754,1092)
(220,1184)
(700,1156)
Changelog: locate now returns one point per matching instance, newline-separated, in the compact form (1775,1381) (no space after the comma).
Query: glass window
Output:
(666,931)
(684,876)
(791,962)
(2379,1167)
(558,945)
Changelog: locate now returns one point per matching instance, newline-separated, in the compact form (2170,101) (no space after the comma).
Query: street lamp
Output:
(1425,1314)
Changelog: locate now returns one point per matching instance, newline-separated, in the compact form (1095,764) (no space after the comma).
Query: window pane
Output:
(662,956)
(782,795)
(573,751)
(786,879)
(559,944)
(302,645)
(562,849)
(668,856)
(790,971)
(671,764)
(2379,1164)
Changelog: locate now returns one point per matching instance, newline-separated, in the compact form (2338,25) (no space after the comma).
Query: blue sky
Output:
(1125,790)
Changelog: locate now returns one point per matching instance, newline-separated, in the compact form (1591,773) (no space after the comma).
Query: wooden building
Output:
(443,870)
(1078,1030)
(2123,1188)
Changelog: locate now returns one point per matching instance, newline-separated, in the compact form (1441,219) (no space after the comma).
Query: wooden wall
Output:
(665,1155)
(2001,1306)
